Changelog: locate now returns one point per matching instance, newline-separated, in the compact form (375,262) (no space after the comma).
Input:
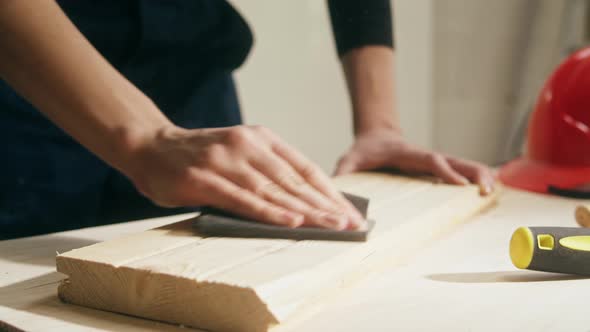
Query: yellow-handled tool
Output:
(551,249)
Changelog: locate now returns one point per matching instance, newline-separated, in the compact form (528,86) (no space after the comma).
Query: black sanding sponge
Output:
(214,222)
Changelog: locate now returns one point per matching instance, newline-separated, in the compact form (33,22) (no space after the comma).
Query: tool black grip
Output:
(551,249)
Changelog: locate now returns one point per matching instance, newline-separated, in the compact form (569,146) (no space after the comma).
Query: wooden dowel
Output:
(583,215)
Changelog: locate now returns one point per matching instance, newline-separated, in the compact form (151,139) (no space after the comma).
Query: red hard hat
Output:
(558,143)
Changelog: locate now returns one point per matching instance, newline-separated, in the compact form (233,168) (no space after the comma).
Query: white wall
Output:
(490,57)
(413,25)
(457,65)
(292,81)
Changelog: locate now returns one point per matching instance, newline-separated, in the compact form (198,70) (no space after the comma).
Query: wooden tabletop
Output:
(463,282)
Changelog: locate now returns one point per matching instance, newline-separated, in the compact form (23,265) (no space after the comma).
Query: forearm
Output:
(369,72)
(49,62)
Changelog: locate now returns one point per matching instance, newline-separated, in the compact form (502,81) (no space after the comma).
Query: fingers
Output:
(462,172)
(251,179)
(286,178)
(224,194)
(313,176)
(250,172)
(476,172)
(439,166)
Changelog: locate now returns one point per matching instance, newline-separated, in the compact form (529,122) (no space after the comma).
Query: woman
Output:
(125,109)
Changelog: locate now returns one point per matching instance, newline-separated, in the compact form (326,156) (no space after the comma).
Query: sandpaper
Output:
(219,223)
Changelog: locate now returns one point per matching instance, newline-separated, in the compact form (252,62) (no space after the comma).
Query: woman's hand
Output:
(370,76)
(247,170)
(386,148)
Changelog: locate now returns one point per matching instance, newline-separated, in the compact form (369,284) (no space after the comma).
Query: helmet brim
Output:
(530,175)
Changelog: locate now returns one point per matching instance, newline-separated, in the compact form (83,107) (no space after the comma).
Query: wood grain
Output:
(222,284)
(28,282)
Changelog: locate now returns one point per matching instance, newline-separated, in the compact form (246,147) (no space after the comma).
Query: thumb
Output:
(346,164)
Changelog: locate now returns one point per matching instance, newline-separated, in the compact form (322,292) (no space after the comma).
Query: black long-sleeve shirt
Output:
(218,33)
(168,48)
(357,23)
(178,52)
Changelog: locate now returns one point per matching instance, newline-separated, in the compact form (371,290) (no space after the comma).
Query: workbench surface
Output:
(462,282)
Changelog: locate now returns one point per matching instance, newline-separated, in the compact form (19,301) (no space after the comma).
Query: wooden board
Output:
(28,282)
(221,284)
(466,282)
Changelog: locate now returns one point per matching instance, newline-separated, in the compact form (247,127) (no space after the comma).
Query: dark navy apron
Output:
(180,53)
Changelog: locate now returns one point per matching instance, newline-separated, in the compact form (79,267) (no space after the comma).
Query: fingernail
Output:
(358,221)
(488,188)
(363,226)
(464,181)
(335,221)
(358,225)
(294,220)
